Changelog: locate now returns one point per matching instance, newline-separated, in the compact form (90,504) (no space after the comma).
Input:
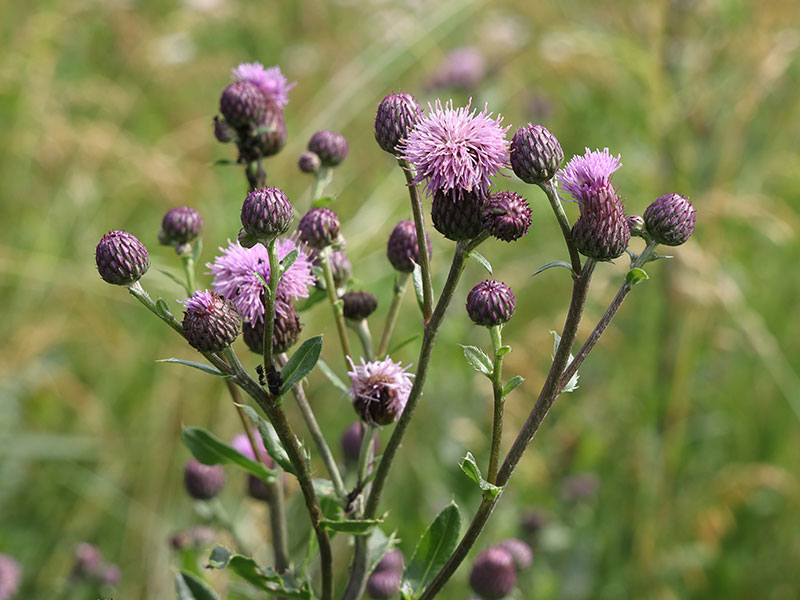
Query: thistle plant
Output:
(261,283)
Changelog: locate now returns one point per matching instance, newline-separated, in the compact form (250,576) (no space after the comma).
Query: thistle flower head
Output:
(210,322)
(670,219)
(111,575)
(463,68)
(319,228)
(456,148)
(331,147)
(121,258)
(636,225)
(181,225)
(589,172)
(491,303)
(457,215)
(235,269)
(242,104)
(351,442)
(272,83)
(391,561)
(203,482)
(384,584)
(379,390)
(506,216)
(493,575)
(397,115)
(309,162)
(536,154)
(358,305)
(266,213)
(402,249)
(241,443)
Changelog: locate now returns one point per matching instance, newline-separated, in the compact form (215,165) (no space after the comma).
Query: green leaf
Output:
(405,342)
(288,260)
(175,279)
(470,467)
(301,363)
(162,308)
(271,442)
(550,265)
(635,276)
(350,526)
(211,451)
(503,350)
(262,281)
(417,280)
(264,578)
(323,202)
(332,377)
(195,365)
(478,360)
(572,384)
(223,162)
(481,260)
(190,587)
(512,384)
(313,299)
(434,548)
(378,545)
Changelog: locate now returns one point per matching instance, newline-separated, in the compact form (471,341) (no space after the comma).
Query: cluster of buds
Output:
(494,573)
(384,582)
(326,149)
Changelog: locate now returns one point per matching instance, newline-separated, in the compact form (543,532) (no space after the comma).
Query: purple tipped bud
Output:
(457,215)
(266,213)
(88,560)
(379,390)
(121,258)
(359,305)
(309,162)
(383,584)
(397,115)
(492,576)
(329,146)
(536,154)
(391,561)
(111,575)
(636,225)
(319,228)
(507,216)
(203,482)
(210,322)
(223,131)
(180,226)
(351,442)
(257,489)
(519,551)
(490,303)
(242,104)
(670,219)
(10,577)
(402,249)
(285,331)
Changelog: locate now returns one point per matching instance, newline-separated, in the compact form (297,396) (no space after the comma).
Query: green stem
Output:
(188,269)
(422,237)
(269,305)
(497,389)
(336,304)
(362,330)
(549,189)
(321,179)
(400,285)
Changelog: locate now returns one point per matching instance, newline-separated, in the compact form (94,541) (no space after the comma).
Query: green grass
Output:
(687,412)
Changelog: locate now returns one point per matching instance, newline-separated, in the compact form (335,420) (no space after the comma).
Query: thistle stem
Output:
(422,237)
(549,189)
(321,179)
(188,269)
(269,305)
(362,330)
(336,304)
(400,285)
(499,401)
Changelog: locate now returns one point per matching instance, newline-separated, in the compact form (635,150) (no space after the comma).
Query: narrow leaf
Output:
(288,260)
(195,365)
(190,587)
(470,467)
(481,260)
(262,281)
(223,162)
(478,360)
(271,442)
(550,265)
(352,527)
(266,579)
(635,276)
(322,202)
(434,548)
(405,342)
(174,278)
(332,377)
(211,451)
(512,384)
(301,363)
(417,280)
(572,384)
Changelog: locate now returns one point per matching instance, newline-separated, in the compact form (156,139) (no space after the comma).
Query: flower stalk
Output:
(400,285)
(499,401)
(336,304)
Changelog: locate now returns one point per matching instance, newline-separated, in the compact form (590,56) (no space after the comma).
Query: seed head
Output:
(266,213)
(402,249)
(670,219)
(210,322)
(397,115)
(319,228)
(490,303)
(536,154)
(121,258)
(379,390)
(358,305)
(457,215)
(493,576)
(329,146)
(180,226)
(203,482)
(309,162)
(242,104)
(506,216)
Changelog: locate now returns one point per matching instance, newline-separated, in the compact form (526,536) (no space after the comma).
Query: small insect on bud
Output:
(223,131)
(636,225)
(180,226)
(457,215)
(351,442)
(203,482)
(493,576)
(490,303)
(670,219)
(506,216)
(319,228)
(242,104)
(266,213)
(309,162)
(519,551)
(358,305)
(210,322)
(384,584)
(402,249)
(329,146)
(397,115)
(121,258)
(536,154)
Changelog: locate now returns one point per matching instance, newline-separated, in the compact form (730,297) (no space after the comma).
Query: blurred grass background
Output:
(688,411)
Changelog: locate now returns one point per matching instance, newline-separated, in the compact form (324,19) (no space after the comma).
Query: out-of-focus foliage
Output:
(688,413)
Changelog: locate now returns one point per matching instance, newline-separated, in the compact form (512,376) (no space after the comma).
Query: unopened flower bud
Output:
(636,225)
(341,269)
(391,561)
(402,249)
(358,305)
(536,154)
(121,258)
(309,162)
(519,551)
(329,146)
(223,131)
(242,104)
(670,219)
(88,560)
(181,225)
(266,213)
(506,216)
(257,489)
(397,114)
(203,482)
(602,237)
(383,584)
(351,442)
(285,331)
(210,322)
(493,576)
(490,303)
(457,215)
(319,228)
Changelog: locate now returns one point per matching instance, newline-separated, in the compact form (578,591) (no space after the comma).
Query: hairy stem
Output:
(336,304)
(400,285)
(497,390)
(549,189)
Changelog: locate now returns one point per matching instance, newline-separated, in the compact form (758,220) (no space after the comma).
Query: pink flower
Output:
(379,390)
(271,82)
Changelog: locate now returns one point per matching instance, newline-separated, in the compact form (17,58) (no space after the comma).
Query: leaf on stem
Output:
(481,260)
(322,202)
(191,587)
(262,281)
(635,276)
(162,309)
(288,260)
(211,451)
(550,265)
(301,363)
(405,342)
(478,360)
(473,471)
(266,579)
(512,384)
(174,278)
(332,377)
(195,365)
(572,384)
(271,441)
(350,526)
(417,280)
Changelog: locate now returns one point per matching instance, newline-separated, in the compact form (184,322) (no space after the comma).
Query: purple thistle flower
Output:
(519,551)
(463,68)
(272,83)
(121,258)
(241,443)
(592,170)
(379,390)
(329,146)
(391,561)
(10,577)
(234,276)
(670,219)
(455,148)
(402,249)
(397,114)
(309,162)
(358,305)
